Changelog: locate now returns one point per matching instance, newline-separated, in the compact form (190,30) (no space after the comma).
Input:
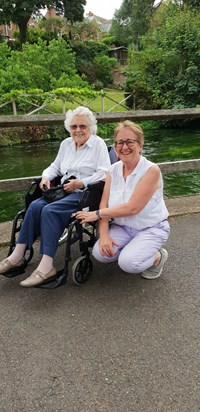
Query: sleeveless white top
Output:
(121,190)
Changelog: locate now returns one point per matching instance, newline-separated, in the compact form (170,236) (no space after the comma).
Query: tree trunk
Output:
(22,32)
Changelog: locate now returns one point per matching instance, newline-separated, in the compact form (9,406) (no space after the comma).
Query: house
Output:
(120,53)
(104,24)
(7,30)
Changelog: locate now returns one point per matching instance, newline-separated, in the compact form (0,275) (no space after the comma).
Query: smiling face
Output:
(80,130)
(127,146)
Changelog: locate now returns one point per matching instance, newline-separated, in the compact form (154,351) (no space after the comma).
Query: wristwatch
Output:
(98,214)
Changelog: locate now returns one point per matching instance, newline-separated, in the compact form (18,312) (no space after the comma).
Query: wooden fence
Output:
(30,101)
(103,118)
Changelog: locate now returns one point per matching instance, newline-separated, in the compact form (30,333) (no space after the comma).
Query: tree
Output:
(85,30)
(166,73)
(73,9)
(38,66)
(93,61)
(103,66)
(132,21)
(52,25)
(21,11)
(188,3)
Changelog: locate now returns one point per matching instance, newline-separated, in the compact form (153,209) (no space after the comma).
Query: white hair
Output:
(81,111)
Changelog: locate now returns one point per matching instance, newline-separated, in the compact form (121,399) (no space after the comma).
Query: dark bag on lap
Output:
(57,192)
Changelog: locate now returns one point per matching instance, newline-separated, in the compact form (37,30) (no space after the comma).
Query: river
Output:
(160,146)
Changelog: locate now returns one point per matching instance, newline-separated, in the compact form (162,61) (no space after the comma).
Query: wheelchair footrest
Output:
(59,279)
(15,272)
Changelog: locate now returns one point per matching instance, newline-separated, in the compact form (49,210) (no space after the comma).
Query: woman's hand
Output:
(44,184)
(106,244)
(87,216)
(73,185)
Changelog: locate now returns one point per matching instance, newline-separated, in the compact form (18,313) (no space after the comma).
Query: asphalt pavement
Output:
(119,343)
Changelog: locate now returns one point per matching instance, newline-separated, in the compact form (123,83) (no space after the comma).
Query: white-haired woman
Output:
(83,155)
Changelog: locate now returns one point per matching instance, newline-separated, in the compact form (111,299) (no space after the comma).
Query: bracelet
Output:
(98,214)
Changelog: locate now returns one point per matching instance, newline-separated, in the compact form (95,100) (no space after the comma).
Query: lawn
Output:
(109,102)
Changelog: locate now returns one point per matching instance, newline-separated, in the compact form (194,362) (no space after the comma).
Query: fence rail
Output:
(135,115)
(25,98)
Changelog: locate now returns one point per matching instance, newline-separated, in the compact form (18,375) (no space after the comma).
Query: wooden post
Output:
(63,106)
(14,107)
(102,100)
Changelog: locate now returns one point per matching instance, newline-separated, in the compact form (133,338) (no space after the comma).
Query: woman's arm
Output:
(104,223)
(143,192)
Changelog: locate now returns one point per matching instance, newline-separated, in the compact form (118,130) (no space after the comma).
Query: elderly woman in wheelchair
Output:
(82,160)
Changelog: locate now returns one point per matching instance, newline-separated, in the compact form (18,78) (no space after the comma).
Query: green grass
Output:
(99,104)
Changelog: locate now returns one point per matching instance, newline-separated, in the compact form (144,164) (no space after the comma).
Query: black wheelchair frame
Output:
(85,234)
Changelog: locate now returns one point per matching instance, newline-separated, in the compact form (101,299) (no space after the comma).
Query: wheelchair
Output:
(86,235)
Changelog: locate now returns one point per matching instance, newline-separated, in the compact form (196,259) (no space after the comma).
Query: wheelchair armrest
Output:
(91,196)
(35,182)
(96,186)
(33,191)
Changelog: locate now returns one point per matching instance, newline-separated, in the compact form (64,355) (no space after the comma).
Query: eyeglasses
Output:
(129,143)
(81,126)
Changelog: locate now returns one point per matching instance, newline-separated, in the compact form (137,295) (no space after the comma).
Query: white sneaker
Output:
(155,271)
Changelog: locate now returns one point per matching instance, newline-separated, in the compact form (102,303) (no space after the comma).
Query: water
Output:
(160,146)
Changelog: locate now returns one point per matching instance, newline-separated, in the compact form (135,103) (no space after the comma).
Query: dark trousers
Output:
(47,220)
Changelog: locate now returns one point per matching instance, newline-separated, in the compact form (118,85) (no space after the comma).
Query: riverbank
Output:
(177,206)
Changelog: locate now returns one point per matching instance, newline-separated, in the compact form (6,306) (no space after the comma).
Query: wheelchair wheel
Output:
(82,270)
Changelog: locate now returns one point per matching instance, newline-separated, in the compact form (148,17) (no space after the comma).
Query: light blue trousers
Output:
(137,248)
(47,220)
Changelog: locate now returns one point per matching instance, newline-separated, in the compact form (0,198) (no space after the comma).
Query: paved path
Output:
(119,343)
(177,206)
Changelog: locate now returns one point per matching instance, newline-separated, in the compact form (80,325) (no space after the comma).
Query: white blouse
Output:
(121,190)
(89,163)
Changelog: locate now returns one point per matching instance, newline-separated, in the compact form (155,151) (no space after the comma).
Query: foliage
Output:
(85,30)
(65,92)
(4,55)
(42,66)
(73,10)
(92,60)
(20,12)
(87,50)
(131,21)
(166,73)
(106,131)
(188,3)
(103,66)
(108,40)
